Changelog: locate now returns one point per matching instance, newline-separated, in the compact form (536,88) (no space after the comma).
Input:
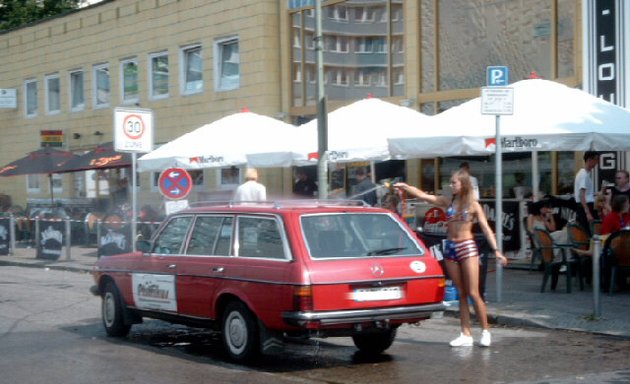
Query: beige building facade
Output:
(193,62)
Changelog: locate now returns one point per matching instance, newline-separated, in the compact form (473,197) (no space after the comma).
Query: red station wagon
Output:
(261,272)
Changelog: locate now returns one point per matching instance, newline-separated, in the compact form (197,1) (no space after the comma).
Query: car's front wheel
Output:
(374,343)
(112,312)
(240,332)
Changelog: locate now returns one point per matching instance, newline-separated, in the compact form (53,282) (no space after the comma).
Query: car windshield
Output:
(357,235)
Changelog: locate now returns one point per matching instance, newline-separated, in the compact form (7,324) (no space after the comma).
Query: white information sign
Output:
(8,98)
(497,101)
(173,206)
(133,130)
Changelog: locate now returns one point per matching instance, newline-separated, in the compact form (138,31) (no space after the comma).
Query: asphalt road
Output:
(50,332)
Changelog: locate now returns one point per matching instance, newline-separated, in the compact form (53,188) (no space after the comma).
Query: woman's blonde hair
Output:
(466,194)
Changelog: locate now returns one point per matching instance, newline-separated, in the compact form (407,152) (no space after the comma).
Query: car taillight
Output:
(303,298)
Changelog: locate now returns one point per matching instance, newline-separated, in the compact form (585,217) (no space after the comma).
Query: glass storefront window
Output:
(566,172)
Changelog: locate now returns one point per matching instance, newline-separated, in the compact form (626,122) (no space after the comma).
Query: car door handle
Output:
(218,269)
(172,266)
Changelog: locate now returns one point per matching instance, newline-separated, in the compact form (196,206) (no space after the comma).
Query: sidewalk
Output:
(522,303)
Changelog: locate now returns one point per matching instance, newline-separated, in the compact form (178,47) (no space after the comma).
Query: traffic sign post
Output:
(175,183)
(133,132)
(497,76)
(498,99)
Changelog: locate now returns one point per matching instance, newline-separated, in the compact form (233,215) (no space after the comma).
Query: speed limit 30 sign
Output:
(133,130)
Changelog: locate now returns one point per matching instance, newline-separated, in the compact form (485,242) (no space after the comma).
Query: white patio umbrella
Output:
(359,131)
(548,116)
(226,142)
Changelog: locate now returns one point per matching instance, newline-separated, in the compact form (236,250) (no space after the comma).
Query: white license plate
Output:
(380,293)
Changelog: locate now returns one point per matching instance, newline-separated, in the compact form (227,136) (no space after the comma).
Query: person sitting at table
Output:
(541,217)
(617,219)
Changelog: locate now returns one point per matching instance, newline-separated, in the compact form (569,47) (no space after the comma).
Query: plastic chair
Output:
(580,239)
(536,251)
(617,253)
(578,236)
(545,243)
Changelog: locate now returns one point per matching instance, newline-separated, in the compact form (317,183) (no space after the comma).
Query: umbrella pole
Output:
(52,193)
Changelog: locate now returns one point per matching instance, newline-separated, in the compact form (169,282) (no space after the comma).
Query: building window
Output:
(53,102)
(30,97)
(297,73)
(227,64)
(364,14)
(102,86)
(57,183)
(229,178)
(77,96)
(361,78)
(32,184)
(192,70)
(337,13)
(197,176)
(158,75)
(129,81)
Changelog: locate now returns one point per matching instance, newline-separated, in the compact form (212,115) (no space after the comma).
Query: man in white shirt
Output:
(251,189)
(584,191)
(473,180)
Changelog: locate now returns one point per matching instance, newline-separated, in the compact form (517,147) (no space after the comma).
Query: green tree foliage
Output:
(15,13)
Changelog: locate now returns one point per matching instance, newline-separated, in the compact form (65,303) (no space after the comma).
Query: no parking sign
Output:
(175,183)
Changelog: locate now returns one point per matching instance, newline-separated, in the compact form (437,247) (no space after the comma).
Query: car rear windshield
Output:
(357,235)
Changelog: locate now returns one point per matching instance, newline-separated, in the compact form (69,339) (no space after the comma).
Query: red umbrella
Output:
(44,160)
(102,157)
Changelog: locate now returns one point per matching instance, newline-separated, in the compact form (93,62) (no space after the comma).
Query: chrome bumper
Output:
(410,313)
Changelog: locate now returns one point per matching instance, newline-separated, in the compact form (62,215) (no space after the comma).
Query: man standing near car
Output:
(251,189)
(584,192)
(364,189)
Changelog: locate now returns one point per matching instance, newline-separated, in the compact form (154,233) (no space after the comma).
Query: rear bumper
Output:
(400,314)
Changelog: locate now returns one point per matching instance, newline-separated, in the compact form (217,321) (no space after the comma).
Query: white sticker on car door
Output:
(156,292)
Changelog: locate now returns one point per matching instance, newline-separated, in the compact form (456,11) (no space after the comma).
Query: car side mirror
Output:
(143,246)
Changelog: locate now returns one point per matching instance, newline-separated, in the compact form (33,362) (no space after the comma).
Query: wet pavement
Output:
(521,304)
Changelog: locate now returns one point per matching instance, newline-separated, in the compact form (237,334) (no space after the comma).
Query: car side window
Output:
(260,237)
(211,235)
(172,237)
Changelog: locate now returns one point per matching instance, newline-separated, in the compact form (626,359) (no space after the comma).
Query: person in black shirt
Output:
(364,189)
(304,186)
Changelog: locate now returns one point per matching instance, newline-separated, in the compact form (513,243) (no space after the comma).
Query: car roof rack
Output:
(282,203)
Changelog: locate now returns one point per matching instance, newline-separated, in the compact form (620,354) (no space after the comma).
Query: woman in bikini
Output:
(461,253)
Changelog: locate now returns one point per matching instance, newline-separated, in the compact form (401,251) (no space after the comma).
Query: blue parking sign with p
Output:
(497,76)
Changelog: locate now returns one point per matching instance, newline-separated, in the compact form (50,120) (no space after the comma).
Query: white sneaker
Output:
(462,341)
(486,338)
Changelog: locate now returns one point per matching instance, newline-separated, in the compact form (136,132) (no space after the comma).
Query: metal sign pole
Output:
(499,206)
(134,208)
(597,246)
(322,122)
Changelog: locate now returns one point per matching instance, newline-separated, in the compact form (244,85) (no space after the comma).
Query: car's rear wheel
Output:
(240,332)
(112,312)
(374,343)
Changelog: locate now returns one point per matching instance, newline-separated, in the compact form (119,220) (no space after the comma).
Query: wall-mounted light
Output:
(98,133)
(76,136)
